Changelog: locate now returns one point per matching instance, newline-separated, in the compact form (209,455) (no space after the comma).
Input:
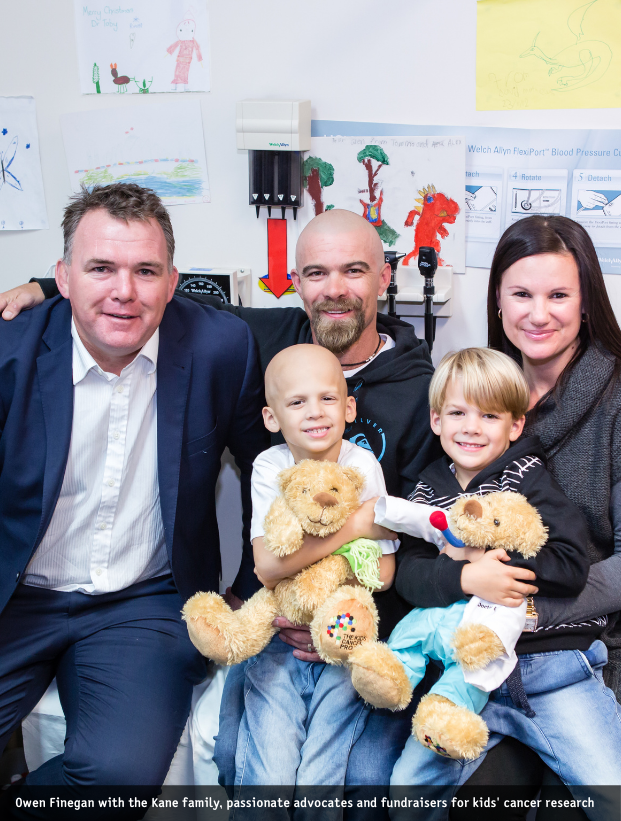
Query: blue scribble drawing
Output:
(5,131)
(583,62)
(6,160)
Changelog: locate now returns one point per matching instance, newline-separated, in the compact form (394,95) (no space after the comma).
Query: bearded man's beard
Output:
(337,335)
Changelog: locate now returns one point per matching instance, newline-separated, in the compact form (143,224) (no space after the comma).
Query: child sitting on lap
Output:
(288,736)
(554,701)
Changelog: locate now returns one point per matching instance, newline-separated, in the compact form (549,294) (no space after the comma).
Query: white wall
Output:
(402,61)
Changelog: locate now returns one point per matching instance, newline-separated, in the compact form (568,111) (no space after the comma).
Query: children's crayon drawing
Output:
(142,47)
(434,211)
(160,146)
(557,54)
(409,188)
(22,201)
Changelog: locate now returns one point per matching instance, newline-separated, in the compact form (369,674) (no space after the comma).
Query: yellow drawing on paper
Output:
(548,54)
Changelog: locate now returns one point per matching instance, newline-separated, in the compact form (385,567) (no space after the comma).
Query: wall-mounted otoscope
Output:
(427,265)
(392,258)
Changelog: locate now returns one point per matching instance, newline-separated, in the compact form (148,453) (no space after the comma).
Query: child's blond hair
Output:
(491,380)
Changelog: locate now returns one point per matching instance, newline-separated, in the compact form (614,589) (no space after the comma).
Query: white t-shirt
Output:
(389,344)
(268,465)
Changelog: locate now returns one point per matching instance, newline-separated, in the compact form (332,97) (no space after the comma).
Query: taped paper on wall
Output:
(513,173)
(410,189)
(144,47)
(557,54)
(22,201)
(160,146)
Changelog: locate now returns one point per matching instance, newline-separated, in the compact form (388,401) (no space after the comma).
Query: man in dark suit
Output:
(116,402)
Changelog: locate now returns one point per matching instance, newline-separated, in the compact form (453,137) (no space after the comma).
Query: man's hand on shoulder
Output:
(20,299)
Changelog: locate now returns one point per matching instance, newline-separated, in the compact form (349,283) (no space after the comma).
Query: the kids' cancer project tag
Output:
(342,629)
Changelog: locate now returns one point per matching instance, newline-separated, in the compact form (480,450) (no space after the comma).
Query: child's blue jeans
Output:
(292,732)
(576,731)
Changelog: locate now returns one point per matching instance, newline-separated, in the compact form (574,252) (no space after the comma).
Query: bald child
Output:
(287,736)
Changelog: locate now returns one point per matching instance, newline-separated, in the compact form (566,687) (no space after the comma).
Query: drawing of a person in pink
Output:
(187,45)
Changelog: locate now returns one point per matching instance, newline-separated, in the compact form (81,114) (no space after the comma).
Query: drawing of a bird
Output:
(6,159)
(122,82)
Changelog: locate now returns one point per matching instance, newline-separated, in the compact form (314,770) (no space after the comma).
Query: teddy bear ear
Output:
(474,509)
(285,477)
(356,477)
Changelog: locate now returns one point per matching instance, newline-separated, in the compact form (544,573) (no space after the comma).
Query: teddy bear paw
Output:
(379,676)
(347,619)
(449,730)
(476,646)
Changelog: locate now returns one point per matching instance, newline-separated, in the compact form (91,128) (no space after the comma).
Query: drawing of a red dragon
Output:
(435,210)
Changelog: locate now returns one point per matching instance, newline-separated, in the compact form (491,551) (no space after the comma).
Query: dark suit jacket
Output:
(209,396)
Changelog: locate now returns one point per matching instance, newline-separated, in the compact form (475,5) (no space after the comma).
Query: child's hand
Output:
(494,581)
(363,523)
(460,554)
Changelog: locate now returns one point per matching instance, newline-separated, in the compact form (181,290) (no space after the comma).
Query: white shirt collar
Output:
(83,362)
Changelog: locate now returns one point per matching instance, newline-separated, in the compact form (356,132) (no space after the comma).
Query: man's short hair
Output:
(491,380)
(122,200)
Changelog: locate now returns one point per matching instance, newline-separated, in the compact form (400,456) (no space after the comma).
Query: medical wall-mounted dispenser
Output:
(275,133)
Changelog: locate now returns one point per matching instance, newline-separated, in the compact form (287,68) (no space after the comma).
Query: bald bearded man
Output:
(340,272)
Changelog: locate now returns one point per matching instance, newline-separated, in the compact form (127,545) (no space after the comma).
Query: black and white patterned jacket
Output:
(428,579)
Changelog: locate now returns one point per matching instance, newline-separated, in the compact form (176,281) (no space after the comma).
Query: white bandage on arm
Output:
(507,623)
(408,517)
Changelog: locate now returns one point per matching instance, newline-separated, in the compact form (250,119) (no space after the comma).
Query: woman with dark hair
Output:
(548,308)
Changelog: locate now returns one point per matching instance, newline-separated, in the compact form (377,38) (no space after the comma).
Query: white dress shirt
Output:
(106,532)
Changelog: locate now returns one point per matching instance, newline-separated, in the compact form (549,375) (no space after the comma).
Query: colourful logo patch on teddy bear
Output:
(433,745)
(341,629)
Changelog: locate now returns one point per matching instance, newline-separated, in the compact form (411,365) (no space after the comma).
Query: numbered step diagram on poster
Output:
(596,204)
(483,203)
(535,191)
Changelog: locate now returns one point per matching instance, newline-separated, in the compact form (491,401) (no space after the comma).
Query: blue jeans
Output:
(372,757)
(293,731)
(576,731)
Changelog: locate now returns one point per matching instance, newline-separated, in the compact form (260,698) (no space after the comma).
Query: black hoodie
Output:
(392,418)
(428,579)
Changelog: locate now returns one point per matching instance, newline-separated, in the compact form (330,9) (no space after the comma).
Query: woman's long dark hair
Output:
(555,235)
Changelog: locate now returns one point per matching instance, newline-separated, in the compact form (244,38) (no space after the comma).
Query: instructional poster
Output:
(22,201)
(555,54)
(409,188)
(142,46)
(511,173)
(160,146)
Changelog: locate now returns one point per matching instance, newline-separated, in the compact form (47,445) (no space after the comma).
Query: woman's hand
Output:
(298,637)
(494,581)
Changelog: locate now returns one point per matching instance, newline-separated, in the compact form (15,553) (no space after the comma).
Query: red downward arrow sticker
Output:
(276,279)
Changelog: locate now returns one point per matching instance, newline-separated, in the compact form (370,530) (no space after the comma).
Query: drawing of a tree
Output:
(369,154)
(96,78)
(318,175)
(373,208)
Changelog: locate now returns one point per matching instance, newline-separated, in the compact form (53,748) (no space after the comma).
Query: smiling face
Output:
(308,402)
(119,283)
(471,437)
(340,271)
(541,308)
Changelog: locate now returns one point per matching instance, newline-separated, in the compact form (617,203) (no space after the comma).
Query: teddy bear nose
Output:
(325,500)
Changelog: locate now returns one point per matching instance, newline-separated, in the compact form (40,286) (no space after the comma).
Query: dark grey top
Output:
(580,430)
